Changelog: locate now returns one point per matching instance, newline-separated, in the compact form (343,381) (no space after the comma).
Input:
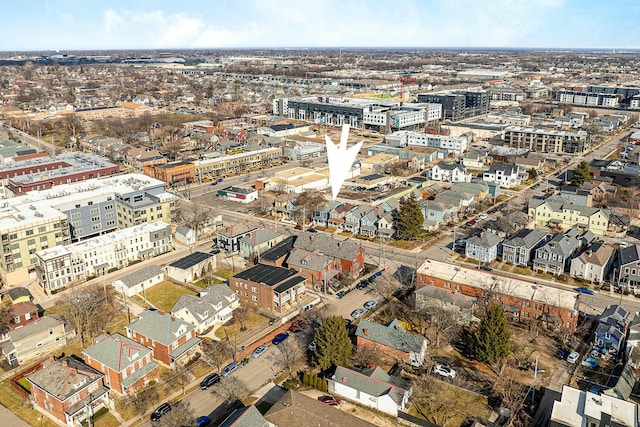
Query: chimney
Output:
(372,366)
(161,313)
(589,252)
(366,331)
(344,380)
(199,299)
(173,319)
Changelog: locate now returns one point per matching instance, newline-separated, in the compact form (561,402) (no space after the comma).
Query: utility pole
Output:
(535,377)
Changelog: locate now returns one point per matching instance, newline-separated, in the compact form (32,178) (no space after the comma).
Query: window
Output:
(27,316)
(254,289)
(16,319)
(29,232)
(254,298)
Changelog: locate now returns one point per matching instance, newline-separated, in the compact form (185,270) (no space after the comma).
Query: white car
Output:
(258,351)
(370,304)
(444,371)
(573,357)
(357,313)
(483,216)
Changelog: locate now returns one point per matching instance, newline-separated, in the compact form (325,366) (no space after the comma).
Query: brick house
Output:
(126,364)
(68,390)
(318,269)
(268,287)
(22,314)
(392,341)
(172,340)
(522,300)
(348,254)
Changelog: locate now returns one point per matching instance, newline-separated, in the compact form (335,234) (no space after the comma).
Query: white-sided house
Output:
(594,263)
(35,339)
(449,172)
(371,387)
(139,280)
(185,236)
(192,267)
(213,307)
(506,176)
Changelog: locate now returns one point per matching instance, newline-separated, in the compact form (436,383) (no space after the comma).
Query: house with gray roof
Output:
(352,218)
(68,390)
(505,175)
(258,242)
(519,248)
(436,213)
(322,214)
(555,256)
(348,254)
(139,281)
(35,339)
(432,297)
(594,263)
(126,364)
(612,329)
(317,268)
(629,268)
(173,340)
(373,388)
(393,341)
(247,416)
(484,248)
(211,308)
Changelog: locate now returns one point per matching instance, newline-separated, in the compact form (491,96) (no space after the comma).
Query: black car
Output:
(160,411)
(311,230)
(209,380)
(362,284)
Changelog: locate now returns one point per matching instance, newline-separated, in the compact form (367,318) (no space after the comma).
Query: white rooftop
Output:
(103,240)
(492,281)
(576,404)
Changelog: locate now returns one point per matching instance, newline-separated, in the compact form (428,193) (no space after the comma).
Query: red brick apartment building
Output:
(522,300)
(268,287)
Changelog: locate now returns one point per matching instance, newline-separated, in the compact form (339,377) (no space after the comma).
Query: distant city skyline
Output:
(191,24)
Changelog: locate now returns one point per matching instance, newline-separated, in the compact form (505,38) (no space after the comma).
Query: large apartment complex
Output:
(541,140)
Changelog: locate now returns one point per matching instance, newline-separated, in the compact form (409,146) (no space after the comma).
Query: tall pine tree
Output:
(581,174)
(410,219)
(493,339)
(333,347)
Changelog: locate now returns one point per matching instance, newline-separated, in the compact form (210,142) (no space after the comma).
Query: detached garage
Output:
(141,279)
(192,267)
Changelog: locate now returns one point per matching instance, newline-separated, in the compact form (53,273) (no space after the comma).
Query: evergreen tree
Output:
(333,347)
(493,339)
(410,219)
(581,174)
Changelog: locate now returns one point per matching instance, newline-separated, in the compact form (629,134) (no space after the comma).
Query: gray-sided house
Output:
(483,248)
(139,281)
(392,340)
(519,248)
(192,267)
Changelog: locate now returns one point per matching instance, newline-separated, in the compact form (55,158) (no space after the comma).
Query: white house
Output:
(138,281)
(371,387)
(594,263)
(583,408)
(212,307)
(449,172)
(185,235)
(506,176)
(192,267)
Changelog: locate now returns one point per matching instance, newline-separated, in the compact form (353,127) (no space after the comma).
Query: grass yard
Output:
(118,325)
(225,273)
(25,384)
(405,244)
(11,400)
(164,295)
(461,405)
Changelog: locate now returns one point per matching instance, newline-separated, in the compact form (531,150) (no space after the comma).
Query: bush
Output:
(290,384)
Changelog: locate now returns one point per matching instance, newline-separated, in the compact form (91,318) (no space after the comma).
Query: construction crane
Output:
(403,80)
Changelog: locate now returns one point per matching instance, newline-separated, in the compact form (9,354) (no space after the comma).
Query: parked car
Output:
(209,380)
(484,268)
(535,186)
(444,371)
(312,230)
(297,326)
(483,216)
(160,411)
(202,421)
(279,338)
(329,400)
(229,369)
(585,291)
(573,357)
(219,180)
(357,313)
(258,351)
(363,284)
(370,304)
(298,227)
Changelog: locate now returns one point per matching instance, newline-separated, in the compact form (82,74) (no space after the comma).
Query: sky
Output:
(213,24)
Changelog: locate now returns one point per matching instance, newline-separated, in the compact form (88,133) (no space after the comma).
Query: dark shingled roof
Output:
(60,377)
(190,260)
(15,293)
(267,274)
(279,250)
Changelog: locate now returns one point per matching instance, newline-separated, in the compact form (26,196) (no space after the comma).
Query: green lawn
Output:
(11,400)
(25,384)
(164,295)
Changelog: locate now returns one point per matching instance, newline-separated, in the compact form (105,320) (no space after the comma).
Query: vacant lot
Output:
(164,295)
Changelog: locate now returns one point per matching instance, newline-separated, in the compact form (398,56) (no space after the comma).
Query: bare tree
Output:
(365,356)
(241,314)
(142,400)
(179,375)
(287,356)
(444,322)
(179,415)
(510,390)
(193,215)
(218,352)
(307,202)
(231,389)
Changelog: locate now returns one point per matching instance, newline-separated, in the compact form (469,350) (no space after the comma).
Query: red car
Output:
(330,400)
(298,227)
(297,326)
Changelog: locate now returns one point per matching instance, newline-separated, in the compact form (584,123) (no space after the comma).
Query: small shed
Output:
(139,280)
(192,267)
(185,235)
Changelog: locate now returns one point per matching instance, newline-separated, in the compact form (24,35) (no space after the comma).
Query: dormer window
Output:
(182,330)
(134,356)
(80,383)
(205,314)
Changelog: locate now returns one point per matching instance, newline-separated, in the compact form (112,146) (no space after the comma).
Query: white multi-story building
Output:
(61,265)
(449,172)
(452,144)
(506,176)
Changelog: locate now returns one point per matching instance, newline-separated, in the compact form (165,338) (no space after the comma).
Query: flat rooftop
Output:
(76,162)
(492,281)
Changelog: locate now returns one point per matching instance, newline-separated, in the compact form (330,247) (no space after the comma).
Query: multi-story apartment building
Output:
(566,215)
(45,172)
(523,300)
(452,144)
(546,141)
(61,265)
(590,99)
(173,174)
(458,105)
(235,163)
(26,228)
(99,206)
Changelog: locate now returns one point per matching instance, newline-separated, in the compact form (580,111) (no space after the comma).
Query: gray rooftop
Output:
(322,243)
(64,378)
(374,382)
(391,335)
(160,327)
(207,300)
(259,237)
(305,259)
(486,239)
(525,238)
(116,351)
(141,275)
(248,416)
(42,324)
